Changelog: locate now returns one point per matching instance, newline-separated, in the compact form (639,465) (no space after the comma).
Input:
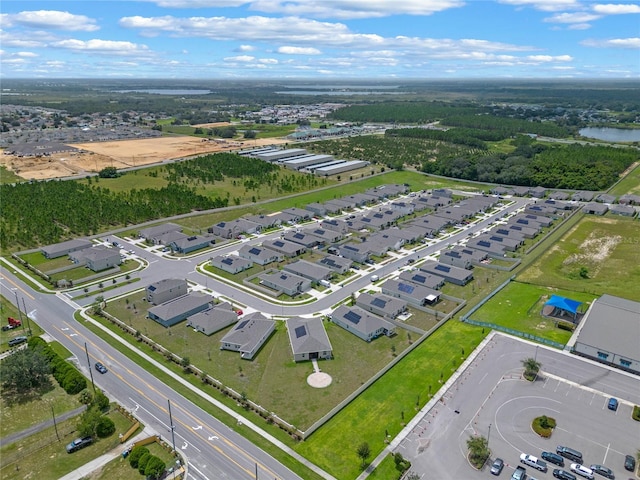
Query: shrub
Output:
(105,427)
(101,400)
(142,462)
(543,426)
(636,413)
(74,382)
(85,397)
(135,455)
(155,467)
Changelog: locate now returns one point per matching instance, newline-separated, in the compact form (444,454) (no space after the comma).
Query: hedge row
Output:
(146,463)
(69,378)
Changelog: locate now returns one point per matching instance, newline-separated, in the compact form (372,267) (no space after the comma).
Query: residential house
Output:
(213,319)
(191,244)
(234,228)
(285,247)
(494,249)
(265,221)
(317,209)
(178,309)
(308,241)
(308,339)
(625,210)
(410,292)
(584,196)
(361,323)
(156,231)
(259,255)
(629,199)
(164,290)
(339,226)
(311,271)
(606,198)
(455,275)
(325,235)
(340,265)
(248,335)
(65,248)
(382,305)
(299,214)
(97,258)
(422,278)
(357,252)
(231,263)
(594,208)
(285,282)
(168,238)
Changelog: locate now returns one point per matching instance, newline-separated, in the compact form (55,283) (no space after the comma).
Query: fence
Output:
(517,333)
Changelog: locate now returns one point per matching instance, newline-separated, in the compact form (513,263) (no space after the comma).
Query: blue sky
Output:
(321,39)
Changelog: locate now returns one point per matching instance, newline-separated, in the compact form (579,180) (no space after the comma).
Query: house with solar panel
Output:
(176,310)
(308,270)
(383,305)
(339,265)
(309,241)
(308,339)
(265,221)
(455,275)
(339,226)
(325,235)
(151,233)
(285,282)
(231,263)
(422,278)
(191,244)
(165,290)
(285,247)
(299,214)
(213,319)
(259,255)
(248,335)
(361,323)
(494,249)
(410,292)
(463,257)
(355,251)
(234,228)
(508,244)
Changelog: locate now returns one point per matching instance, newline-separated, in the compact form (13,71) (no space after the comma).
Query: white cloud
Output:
(268,61)
(102,46)
(26,54)
(51,19)
(616,9)
(240,58)
(579,26)
(633,42)
(574,17)
(246,48)
(550,58)
(349,9)
(544,5)
(198,3)
(288,50)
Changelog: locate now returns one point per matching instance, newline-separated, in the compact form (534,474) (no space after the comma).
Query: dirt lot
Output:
(121,154)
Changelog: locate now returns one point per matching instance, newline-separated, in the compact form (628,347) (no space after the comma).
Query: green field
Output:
(629,184)
(7,176)
(607,247)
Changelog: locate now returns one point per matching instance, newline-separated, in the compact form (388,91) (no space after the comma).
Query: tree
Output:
(25,371)
(250,134)
(478,450)
(531,368)
(363,452)
(155,467)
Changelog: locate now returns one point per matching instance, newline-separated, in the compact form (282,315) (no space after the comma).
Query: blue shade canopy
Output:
(564,303)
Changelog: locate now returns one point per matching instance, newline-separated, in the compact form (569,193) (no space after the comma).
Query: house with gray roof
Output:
(606,198)
(340,265)
(410,292)
(308,339)
(285,247)
(511,244)
(503,231)
(454,213)
(316,208)
(538,192)
(624,210)
(559,196)
(355,251)
(285,282)
(234,228)
(248,335)
(178,309)
(383,242)
(422,278)
(443,192)
(541,209)
(265,221)
(308,241)
(325,235)
(165,290)
(339,226)
(629,199)
(382,305)
(333,208)
(455,258)
(97,258)
(436,201)
(494,249)
(361,199)
(231,263)
(610,332)
(542,220)
(520,191)
(432,222)
(409,234)
(259,255)
(583,196)
(300,214)
(361,323)
(524,222)
(168,238)
(404,208)
(594,208)
(213,319)
(156,231)
(65,248)
(526,232)
(311,271)
(191,244)
(466,254)
(455,275)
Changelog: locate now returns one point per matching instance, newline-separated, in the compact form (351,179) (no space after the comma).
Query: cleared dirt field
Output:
(121,154)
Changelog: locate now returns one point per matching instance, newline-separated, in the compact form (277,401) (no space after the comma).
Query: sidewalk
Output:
(14,437)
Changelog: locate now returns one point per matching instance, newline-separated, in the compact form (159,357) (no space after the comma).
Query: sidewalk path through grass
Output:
(15,437)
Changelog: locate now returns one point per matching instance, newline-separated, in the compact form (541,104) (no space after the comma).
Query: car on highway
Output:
(613,404)
(581,470)
(497,466)
(553,458)
(602,470)
(79,443)
(629,463)
(563,474)
(17,341)
(101,368)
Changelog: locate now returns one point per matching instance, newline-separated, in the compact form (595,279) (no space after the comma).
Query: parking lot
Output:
(490,398)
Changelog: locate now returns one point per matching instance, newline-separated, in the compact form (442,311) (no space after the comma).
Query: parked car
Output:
(519,474)
(569,453)
(581,470)
(79,443)
(497,466)
(553,458)
(101,368)
(563,474)
(17,341)
(629,463)
(613,404)
(534,462)
(602,470)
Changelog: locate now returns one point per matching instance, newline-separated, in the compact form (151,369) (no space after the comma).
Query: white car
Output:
(582,470)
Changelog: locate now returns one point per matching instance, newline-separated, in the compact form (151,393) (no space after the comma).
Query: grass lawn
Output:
(120,468)
(606,246)
(8,309)
(44,457)
(518,306)
(629,184)
(7,176)
(383,405)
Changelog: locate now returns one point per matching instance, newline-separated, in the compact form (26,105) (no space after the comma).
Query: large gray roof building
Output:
(64,248)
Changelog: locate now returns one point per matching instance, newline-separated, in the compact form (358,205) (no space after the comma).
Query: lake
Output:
(612,134)
(166,91)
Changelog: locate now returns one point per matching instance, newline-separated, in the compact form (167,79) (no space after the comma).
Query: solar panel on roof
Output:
(242,324)
(349,247)
(378,302)
(442,268)
(255,251)
(283,277)
(152,288)
(419,278)
(278,243)
(353,317)
(300,331)
(298,236)
(484,243)
(406,288)
(227,261)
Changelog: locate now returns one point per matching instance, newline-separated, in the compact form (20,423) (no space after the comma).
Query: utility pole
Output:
(488,435)
(172,428)
(55,425)
(15,291)
(26,315)
(90,370)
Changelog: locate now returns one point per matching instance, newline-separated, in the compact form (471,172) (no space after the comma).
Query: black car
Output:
(629,463)
(101,368)
(17,341)
(553,458)
(79,443)
(497,466)
(563,475)
(602,470)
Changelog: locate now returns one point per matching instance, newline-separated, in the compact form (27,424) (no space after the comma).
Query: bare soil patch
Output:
(121,154)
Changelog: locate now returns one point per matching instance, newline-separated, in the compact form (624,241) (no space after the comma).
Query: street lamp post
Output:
(488,435)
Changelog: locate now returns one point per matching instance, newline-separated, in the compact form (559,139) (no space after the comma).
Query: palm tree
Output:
(531,368)
(363,452)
